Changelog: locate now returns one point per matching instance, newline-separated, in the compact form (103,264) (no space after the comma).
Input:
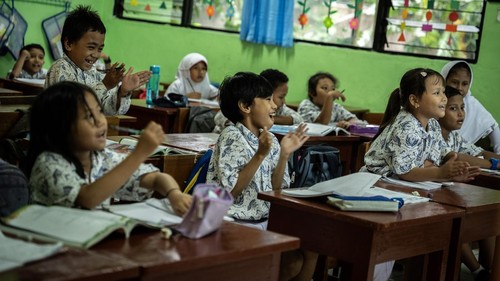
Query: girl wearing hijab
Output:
(192,79)
(479,123)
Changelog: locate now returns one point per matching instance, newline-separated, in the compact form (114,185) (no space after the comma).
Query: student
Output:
(192,79)
(83,40)
(320,106)
(248,159)
(30,63)
(284,115)
(450,124)
(479,122)
(70,165)
(409,144)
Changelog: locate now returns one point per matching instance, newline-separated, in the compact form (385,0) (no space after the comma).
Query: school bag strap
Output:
(199,172)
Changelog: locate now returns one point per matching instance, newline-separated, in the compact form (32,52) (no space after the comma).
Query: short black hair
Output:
(451,92)
(32,46)
(78,22)
(314,80)
(275,77)
(243,87)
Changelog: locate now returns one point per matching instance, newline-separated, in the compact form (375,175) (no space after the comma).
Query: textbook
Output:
(73,227)
(127,145)
(153,212)
(426,185)
(314,129)
(355,184)
(376,203)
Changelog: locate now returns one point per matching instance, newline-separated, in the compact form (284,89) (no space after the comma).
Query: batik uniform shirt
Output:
(64,69)
(405,145)
(457,143)
(54,180)
(309,112)
(234,149)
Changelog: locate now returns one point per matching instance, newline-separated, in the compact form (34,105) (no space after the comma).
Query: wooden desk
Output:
(77,264)
(15,99)
(9,92)
(487,180)
(482,210)
(364,239)
(24,88)
(234,252)
(145,113)
(9,116)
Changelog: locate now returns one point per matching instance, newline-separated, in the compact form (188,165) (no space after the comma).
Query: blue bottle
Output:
(153,86)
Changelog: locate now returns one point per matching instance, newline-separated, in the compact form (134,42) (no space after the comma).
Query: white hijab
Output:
(186,84)
(478,121)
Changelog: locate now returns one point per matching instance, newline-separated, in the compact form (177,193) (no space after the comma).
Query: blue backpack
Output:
(312,164)
(199,172)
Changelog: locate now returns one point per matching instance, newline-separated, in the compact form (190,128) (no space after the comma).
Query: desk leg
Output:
(495,268)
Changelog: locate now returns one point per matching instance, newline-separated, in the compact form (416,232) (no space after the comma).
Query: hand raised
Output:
(265,142)
(132,81)
(294,140)
(114,75)
(151,137)
(337,95)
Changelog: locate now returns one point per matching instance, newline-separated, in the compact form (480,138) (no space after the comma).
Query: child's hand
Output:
(151,137)
(114,75)
(336,95)
(343,124)
(132,81)
(454,169)
(293,141)
(265,142)
(180,202)
(25,55)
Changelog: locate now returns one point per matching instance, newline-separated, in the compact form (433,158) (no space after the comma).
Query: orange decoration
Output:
(303,19)
(210,11)
(148,8)
(402,37)
(405,14)
(428,15)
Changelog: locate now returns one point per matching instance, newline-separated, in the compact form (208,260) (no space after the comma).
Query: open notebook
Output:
(126,145)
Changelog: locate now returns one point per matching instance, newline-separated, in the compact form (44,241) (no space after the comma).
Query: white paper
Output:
(355,184)
(426,185)
(205,101)
(490,171)
(154,212)
(408,198)
(38,82)
(15,253)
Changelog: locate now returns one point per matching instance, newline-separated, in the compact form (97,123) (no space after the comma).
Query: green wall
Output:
(367,76)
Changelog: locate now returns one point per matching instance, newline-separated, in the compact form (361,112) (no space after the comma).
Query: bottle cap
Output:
(155,69)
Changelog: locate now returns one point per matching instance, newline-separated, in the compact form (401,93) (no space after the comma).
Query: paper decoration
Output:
(358,9)
(427,27)
(328,22)
(147,8)
(163,5)
(354,23)
(230,9)
(210,10)
(404,16)
(303,17)
(452,27)
(133,3)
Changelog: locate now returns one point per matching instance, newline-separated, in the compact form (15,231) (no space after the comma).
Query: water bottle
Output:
(153,86)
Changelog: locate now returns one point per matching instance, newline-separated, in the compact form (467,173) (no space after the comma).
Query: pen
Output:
(342,91)
(125,129)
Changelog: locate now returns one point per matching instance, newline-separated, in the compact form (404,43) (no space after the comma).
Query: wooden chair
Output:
(9,119)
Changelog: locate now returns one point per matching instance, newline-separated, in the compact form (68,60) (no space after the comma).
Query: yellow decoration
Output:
(405,14)
(403,25)
(133,2)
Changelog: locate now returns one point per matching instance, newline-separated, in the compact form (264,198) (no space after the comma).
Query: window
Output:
(438,29)
(430,28)
(343,22)
(217,14)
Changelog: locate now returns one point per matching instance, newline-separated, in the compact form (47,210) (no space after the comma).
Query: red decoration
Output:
(453,16)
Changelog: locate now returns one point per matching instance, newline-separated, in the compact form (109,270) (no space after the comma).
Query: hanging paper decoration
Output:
(303,17)
(230,9)
(163,5)
(430,6)
(427,26)
(404,16)
(210,10)
(148,8)
(328,22)
(452,27)
(133,3)
(358,9)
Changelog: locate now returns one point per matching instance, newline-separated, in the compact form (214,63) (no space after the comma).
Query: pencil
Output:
(125,129)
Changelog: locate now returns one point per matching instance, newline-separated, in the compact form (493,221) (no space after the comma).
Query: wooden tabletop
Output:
(363,239)
(9,92)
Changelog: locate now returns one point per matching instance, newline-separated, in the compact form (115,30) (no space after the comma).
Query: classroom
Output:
(368,77)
